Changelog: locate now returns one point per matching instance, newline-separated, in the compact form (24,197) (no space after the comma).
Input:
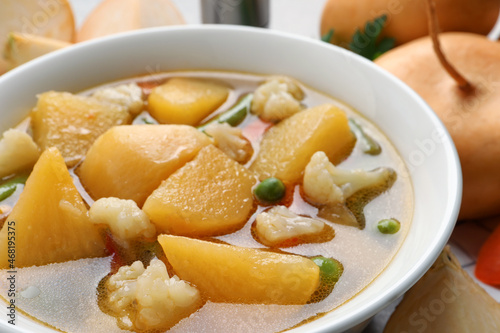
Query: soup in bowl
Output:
(217,179)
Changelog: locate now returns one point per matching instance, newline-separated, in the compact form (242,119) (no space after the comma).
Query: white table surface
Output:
(302,17)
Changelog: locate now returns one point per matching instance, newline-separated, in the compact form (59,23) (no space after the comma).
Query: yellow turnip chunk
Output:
(186,100)
(226,273)
(72,123)
(130,162)
(287,147)
(210,195)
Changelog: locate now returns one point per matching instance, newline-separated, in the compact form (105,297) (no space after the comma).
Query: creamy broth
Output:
(68,292)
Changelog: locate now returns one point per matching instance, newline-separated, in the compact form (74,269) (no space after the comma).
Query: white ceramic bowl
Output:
(409,123)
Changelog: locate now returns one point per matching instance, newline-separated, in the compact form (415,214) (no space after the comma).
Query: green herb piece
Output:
(383,46)
(368,144)
(235,115)
(389,226)
(328,36)
(270,190)
(366,43)
(9,187)
(6,191)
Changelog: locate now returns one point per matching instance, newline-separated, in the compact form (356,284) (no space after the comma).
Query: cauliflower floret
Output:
(279,224)
(122,286)
(292,85)
(128,96)
(145,299)
(125,220)
(18,152)
(231,141)
(326,184)
(277,98)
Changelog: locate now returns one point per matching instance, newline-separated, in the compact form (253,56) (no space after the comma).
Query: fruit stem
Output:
(462,82)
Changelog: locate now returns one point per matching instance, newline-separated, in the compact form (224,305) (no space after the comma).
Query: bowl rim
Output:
(455,189)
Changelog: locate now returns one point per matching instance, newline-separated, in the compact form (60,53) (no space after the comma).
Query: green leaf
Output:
(365,42)
(328,36)
(386,44)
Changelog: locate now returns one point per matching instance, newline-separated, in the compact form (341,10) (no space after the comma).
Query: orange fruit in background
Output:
(471,118)
(407,19)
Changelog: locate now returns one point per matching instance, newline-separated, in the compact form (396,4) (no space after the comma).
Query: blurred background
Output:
(297,16)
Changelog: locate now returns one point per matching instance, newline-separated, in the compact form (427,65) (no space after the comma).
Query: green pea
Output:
(9,187)
(235,115)
(330,269)
(389,226)
(368,144)
(270,190)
